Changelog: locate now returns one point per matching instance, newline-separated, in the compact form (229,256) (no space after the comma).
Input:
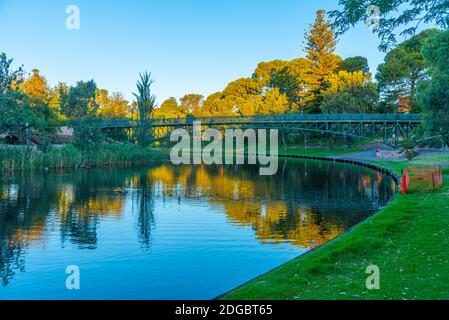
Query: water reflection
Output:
(305,205)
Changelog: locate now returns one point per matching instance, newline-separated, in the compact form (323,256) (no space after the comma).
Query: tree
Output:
(146,102)
(409,150)
(320,48)
(171,109)
(217,104)
(17,120)
(39,96)
(191,102)
(301,69)
(353,64)
(79,101)
(344,80)
(113,106)
(287,84)
(391,19)
(350,92)
(356,99)
(265,70)
(433,95)
(290,77)
(403,68)
(36,88)
(60,90)
(240,97)
(9,79)
(79,104)
(274,102)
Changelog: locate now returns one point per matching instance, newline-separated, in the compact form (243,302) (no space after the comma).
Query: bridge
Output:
(388,128)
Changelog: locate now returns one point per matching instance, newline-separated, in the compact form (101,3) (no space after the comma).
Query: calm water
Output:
(167,232)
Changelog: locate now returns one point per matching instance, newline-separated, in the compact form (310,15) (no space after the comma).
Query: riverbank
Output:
(21,159)
(407,240)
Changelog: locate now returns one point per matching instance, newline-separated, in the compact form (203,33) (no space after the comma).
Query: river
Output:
(168,232)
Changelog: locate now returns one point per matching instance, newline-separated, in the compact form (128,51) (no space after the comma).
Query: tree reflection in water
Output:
(305,204)
(145,203)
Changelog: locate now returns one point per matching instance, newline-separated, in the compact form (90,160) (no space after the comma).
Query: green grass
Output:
(21,158)
(399,166)
(408,241)
(319,152)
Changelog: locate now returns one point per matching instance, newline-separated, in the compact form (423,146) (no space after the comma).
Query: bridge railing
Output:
(291,118)
(262,119)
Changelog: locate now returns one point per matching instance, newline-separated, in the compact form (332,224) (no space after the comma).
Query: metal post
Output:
(442,141)
(27,136)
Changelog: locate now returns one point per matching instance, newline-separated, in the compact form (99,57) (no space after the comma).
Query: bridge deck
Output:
(269,119)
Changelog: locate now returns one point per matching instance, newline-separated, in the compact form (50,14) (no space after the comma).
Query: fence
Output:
(422,179)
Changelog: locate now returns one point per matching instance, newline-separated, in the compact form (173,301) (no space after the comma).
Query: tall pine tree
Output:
(321,43)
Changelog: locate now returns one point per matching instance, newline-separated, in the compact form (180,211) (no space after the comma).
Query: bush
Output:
(409,150)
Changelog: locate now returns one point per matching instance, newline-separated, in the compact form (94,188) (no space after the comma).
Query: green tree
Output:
(146,103)
(85,134)
(415,13)
(433,95)
(353,64)
(18,121)
(288,85)
(355,99)
(79,104)
(9,79)
(404,67)
(320,48)
(80,101)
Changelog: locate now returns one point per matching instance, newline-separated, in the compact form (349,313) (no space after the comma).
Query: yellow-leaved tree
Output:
(36,88)
(343,80)
(113,106)
(274,102)
(170,109)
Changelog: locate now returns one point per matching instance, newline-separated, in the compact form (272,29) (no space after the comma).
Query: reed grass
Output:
(20,158)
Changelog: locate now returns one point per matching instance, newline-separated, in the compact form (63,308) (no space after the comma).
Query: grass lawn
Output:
(319,152)
(408,241)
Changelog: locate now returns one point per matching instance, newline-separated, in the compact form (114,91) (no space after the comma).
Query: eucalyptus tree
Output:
(146,103)
(391,16)
(433,95)
(403,69)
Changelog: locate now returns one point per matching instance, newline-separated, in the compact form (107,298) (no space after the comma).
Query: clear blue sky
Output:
(190,46)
